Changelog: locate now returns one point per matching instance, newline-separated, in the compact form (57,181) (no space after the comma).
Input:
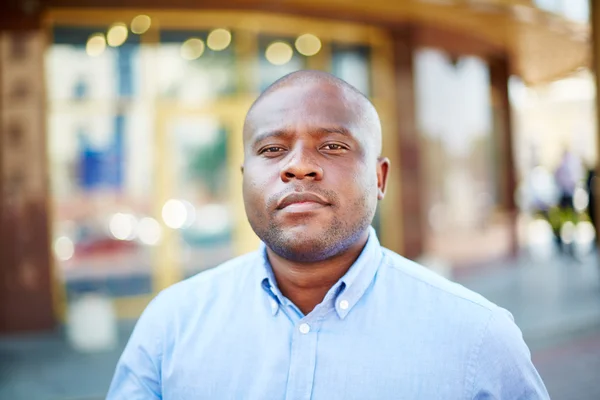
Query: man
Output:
(321,311)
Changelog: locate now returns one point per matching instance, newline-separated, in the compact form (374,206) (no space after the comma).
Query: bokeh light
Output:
(64,248)
(140,24)
(279,53)
(308,44)
(95,45)
(192,49)
(122,226)
(581,200)
(218,39)
(117,34)
(149,231)
(567,232)
(175,214)
(213,219)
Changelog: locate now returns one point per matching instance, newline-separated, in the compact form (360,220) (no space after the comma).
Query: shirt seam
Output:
(388,263)
(160,351)
(474,358)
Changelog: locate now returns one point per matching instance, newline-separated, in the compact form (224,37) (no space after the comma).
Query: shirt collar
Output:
(346,292)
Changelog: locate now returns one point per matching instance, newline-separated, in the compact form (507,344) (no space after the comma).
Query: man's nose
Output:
(301,165)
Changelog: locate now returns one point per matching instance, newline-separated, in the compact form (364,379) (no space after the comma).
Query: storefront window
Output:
(351,63)
(454,116)
(277,57)
(193,69)
(143,126)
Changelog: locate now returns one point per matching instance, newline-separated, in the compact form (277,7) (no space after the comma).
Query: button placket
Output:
(303,359)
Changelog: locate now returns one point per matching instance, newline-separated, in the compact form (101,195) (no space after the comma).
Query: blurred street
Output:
(556,304)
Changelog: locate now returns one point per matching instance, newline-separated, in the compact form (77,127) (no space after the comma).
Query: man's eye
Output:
(272,149)
(334,146)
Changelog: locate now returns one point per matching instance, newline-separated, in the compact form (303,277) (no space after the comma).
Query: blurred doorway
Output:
(465,222)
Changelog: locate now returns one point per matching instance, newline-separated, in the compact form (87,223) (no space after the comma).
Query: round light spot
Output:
(149,231)
(192,49)
(174,213)
(64,248)
(279,53)
(122,226)
(140,24)
(304,329)
(308,44)
(95,45)
(117,34)
(213,219)
(567,232)
(585,232)
(344,304)
(581,199)
(219,39)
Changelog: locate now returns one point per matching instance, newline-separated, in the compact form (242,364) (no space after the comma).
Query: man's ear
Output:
(383,168)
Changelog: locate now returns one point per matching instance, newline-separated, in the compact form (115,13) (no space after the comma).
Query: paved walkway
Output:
(556,303)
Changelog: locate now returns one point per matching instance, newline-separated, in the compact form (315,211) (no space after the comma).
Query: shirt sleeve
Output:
(502,368)
(138,372)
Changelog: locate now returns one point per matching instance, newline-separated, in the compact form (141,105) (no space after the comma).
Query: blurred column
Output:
(411,220)
(595,22)
(25,277)
(499,74)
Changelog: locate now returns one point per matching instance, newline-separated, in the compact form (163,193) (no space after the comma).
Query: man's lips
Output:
(302,201)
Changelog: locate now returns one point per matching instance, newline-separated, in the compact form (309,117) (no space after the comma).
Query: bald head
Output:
(326,87)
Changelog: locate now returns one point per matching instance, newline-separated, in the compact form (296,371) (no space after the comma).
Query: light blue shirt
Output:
(389,329)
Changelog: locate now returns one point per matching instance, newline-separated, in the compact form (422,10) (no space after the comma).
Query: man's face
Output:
(311,174)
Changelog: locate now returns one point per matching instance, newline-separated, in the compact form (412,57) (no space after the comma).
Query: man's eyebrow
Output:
(269,134)
(336,129)
(340,130)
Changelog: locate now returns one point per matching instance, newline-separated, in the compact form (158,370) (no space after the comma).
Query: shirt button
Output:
(273,304)
(344,304)
(304,329)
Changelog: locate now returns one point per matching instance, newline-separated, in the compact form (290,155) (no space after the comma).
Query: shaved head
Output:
(350,94)
(312,167)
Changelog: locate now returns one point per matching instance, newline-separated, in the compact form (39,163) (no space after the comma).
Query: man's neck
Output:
(306,284)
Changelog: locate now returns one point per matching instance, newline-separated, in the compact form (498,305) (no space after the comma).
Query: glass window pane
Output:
(454,117)
(352,64)
(277,61)
(199,154)
(100,144)
(190,71)
(108,73)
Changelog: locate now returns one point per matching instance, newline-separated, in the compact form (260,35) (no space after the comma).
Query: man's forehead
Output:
(321,104)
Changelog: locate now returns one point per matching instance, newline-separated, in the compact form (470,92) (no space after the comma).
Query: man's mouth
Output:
(302,201)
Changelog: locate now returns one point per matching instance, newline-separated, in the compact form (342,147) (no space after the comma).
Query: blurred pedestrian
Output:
(568,174)
(590,186)
(321,311)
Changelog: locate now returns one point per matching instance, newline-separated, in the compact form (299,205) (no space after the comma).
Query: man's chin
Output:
(302,245)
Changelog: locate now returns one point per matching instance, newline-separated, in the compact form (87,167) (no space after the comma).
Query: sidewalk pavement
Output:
(556,303)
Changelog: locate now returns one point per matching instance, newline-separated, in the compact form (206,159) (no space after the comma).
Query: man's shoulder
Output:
(434,286)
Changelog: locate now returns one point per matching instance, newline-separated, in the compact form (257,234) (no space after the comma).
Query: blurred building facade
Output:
(122,123)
